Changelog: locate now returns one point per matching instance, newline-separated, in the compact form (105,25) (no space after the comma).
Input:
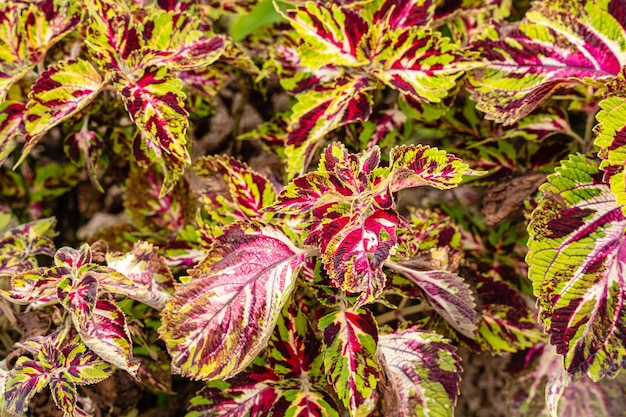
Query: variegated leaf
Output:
(417,165)
(78,296)
(150,211)
(350,338)
(249,394)
(11,125)
(612,137)
(448,294)
(418,63)
(304,402)
(22,243)
(543,389)
(62,367)
(354,249)
(60,92)
(219,320)
(106,333)
(27,31)
(294,349)
(507,323)
(323,29)
(424,370)
(26,379)
(155,102)
(558,44)
(576,261)
(153,281)
(318,113)
(404,13)
(249,190)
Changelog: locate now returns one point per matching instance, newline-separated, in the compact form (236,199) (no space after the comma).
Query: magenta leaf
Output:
(424,371)
(350,339)
(221,318)
(576,261)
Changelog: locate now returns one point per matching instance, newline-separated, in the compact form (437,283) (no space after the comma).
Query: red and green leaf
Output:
(26,379)
(354,249)
(325,38)
(60,92)
(507,323)
(11,125)
(19,246)
(294,349)
(541,390)
(319,112)
(222,317)
(576,261)
(61,367)
(416,165)
(418,63)
(558,44)
(350,339)
(424,371)
(249,190)
(155,102)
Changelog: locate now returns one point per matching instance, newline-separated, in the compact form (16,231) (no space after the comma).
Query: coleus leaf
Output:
(404,13)
(62,367)
(219,320)
(11,125)
(106,333)
(418,63)
(424,370)
(60,92)
(560,43)
(350,339)
(19,246)
(148,271)
(417,165)
(150,211)
(354,250)
(155,102)
(318,113)
(540,389)
(323,28)
(507,323)
(27,32)
(576,261)
(448,294)
(293,350)
(249,190)
(251,394)
(611,137)
(298,402)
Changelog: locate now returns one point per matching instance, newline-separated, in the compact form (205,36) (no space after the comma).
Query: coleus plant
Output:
(324,296)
